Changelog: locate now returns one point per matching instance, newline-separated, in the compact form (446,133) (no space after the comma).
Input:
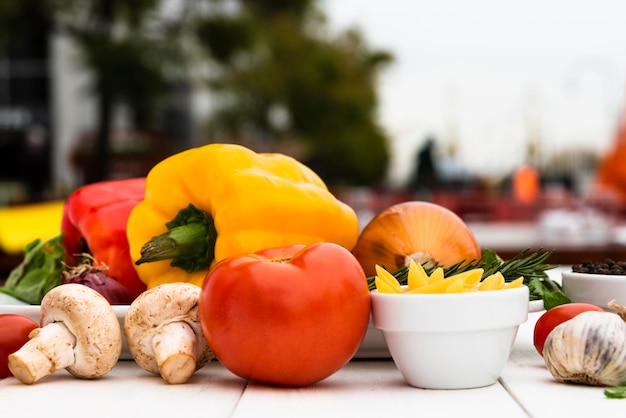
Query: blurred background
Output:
(509,114)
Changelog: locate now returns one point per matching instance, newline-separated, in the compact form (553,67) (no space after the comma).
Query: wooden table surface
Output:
(363,388)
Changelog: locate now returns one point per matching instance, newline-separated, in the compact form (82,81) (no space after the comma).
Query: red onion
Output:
(93,277)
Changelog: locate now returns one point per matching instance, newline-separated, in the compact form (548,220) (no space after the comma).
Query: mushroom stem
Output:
(175,351)
(49,349)
(79,332)
(164,333)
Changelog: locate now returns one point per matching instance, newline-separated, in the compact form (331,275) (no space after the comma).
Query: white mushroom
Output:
(164,334)
(78,331)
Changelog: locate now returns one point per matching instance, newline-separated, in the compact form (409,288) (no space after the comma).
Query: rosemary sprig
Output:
(531,265)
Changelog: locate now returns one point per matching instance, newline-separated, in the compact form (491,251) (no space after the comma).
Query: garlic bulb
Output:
(589,349)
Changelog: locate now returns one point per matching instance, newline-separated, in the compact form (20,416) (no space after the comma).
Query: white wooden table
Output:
(363,388)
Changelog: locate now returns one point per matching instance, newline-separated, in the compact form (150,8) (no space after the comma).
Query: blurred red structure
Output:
(611,175)
(526,184)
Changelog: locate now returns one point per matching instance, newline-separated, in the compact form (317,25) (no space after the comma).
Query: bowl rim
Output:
(468,311)
(579,275)
(486,293)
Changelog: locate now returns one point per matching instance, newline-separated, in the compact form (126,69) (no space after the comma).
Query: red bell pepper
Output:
(94,222)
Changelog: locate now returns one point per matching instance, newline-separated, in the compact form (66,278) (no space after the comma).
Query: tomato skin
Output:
(14,330)
(555,316)
(286,321)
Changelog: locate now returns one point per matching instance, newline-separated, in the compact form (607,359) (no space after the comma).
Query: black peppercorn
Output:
(607,266)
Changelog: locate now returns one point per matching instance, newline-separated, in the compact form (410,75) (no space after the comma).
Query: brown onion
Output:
(422,231)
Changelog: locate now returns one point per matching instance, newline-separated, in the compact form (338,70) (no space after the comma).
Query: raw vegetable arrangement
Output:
(194,211)
(437,240)
(583,344)
(91,248)
(556,316)
(78,331)
(208,203)
(244,257)
(94,221)
(528,265)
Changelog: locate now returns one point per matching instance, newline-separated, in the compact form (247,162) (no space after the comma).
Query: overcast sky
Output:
(489,67)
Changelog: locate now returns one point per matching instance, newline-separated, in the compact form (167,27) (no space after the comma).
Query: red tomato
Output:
(555,316)
(289,316)
(14,330)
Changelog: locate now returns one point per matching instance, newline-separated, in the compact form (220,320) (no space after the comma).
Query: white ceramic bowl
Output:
(597,289)
(450,341)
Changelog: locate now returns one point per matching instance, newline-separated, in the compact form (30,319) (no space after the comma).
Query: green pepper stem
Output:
(176,242)
(189,242)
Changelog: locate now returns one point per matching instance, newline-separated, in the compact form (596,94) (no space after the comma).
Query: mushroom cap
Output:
(159,306)
(92,321)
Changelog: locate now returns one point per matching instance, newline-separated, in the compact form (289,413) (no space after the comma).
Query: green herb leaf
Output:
(548,290)
(615,392)
(40,271)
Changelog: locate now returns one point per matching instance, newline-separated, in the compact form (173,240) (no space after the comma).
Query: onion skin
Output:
(424,231)
(112,290)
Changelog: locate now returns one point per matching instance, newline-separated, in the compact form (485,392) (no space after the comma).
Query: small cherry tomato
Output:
(14,330)
(555,316)
(289,316)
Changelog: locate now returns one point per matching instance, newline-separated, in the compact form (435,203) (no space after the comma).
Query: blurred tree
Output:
(132,50)
(282,83)
(13,14)
(277,77)
(135,54)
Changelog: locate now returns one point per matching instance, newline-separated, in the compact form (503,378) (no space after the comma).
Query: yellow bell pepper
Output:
(208,203)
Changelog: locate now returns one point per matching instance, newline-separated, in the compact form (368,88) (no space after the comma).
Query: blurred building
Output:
(25,114)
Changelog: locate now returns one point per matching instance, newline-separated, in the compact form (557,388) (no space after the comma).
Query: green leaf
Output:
(548,290)
(615,392)
(40,271)
(491,258)
(552,298)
